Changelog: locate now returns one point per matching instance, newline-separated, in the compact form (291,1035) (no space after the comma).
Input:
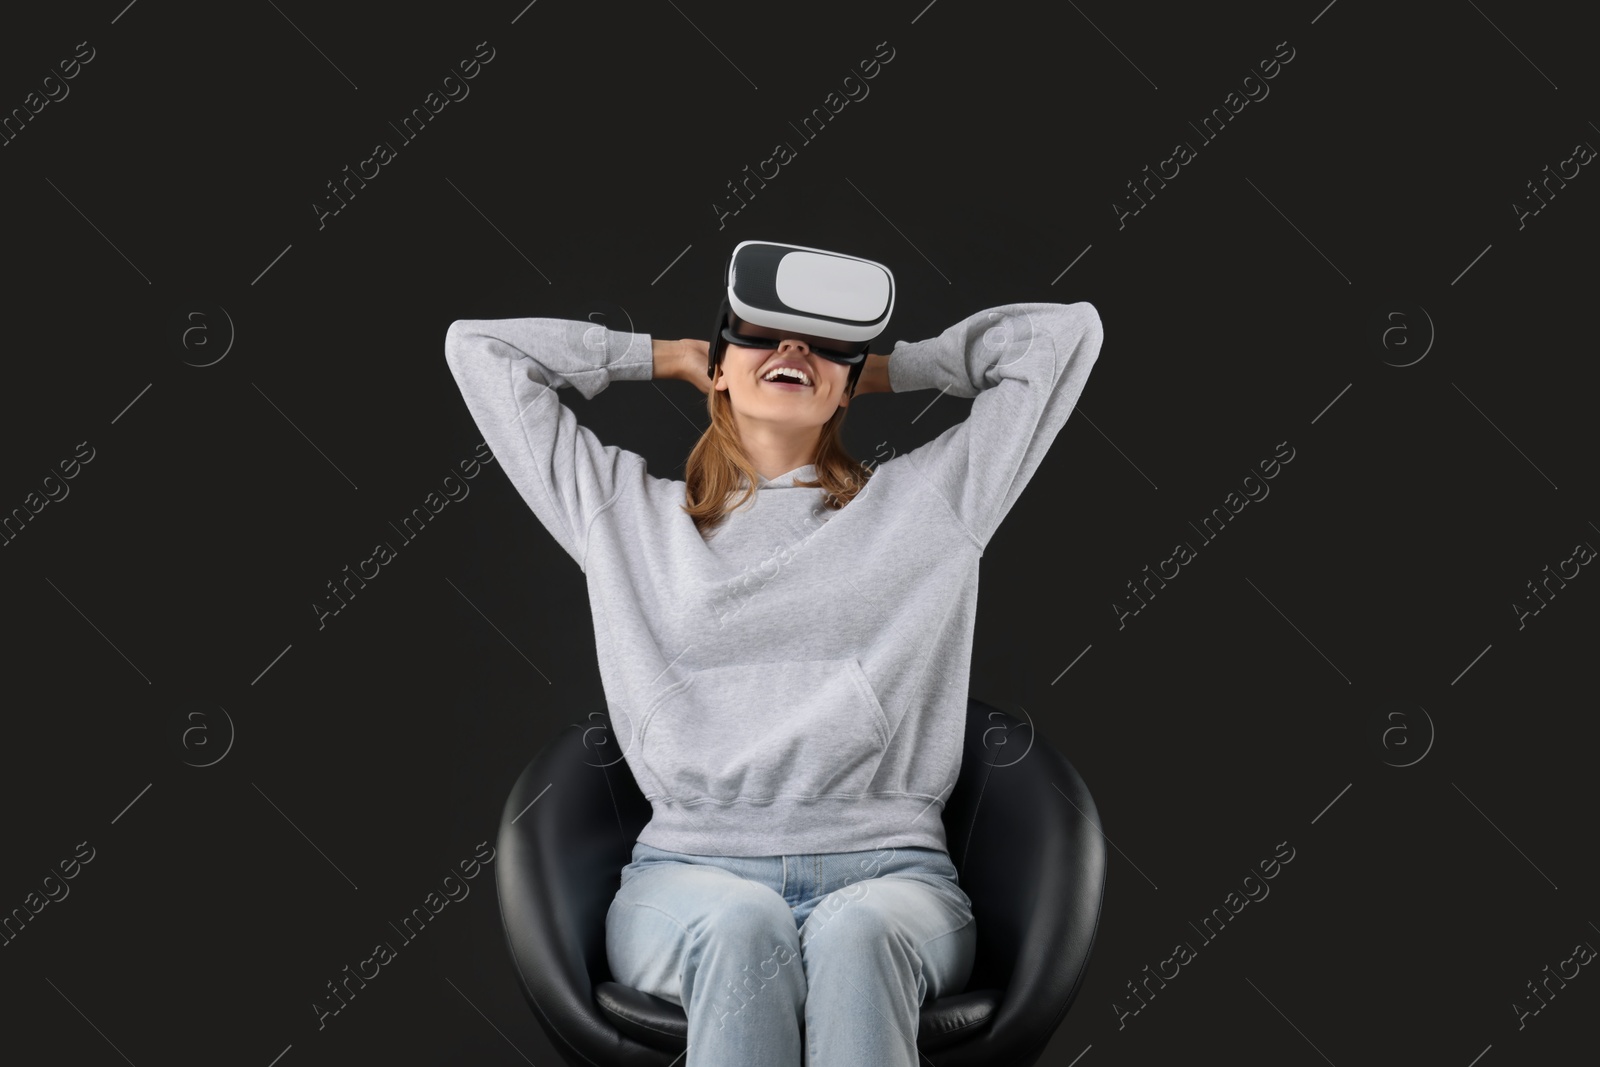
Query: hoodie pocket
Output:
(760,731)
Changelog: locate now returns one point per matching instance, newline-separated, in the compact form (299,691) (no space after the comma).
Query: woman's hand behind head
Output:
(696,354)
(684,359)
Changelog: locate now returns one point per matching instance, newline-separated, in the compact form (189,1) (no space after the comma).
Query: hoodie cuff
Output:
(911,369)
(629,357)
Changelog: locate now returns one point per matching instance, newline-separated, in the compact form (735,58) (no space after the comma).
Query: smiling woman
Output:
(779,409)
(814,312)
(825,726)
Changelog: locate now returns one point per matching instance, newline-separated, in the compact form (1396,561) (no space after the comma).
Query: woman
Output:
(784,638)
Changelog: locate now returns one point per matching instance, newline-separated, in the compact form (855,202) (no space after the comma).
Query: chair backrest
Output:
(1021,827)
(1024,834)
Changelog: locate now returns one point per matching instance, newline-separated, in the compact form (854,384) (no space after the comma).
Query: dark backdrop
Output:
(254,388)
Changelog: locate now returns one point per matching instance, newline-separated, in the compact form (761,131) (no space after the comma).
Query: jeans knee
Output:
(752,914)
(756,952)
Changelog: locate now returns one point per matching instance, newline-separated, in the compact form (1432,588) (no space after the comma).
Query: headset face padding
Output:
(750,335)
(718,347)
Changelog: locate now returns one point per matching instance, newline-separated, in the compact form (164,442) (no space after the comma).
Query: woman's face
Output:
(741,374)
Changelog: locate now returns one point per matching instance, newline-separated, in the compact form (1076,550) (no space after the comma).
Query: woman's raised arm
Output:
(1026,364)
(509,371)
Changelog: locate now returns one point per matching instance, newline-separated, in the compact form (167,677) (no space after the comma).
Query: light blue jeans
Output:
(829,955)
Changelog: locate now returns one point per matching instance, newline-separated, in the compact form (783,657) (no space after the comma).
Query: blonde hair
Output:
(714,468)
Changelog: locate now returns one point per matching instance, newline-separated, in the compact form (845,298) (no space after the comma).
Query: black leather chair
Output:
(1021,828)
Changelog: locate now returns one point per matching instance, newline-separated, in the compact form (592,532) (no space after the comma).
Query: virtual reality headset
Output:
(836,303)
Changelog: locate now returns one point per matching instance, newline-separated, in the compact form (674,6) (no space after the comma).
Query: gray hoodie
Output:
(796,681)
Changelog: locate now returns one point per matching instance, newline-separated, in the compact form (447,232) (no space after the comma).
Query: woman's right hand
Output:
(693,356)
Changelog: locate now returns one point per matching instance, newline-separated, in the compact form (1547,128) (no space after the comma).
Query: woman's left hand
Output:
(874,376)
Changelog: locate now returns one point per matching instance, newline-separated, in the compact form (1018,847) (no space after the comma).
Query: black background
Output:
(1359,215)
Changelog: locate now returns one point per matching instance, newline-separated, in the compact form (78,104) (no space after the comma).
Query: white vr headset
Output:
(834,302)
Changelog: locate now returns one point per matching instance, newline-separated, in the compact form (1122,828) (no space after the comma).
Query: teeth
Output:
(772,374)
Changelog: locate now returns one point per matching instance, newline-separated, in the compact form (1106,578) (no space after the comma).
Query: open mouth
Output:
(785,378)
